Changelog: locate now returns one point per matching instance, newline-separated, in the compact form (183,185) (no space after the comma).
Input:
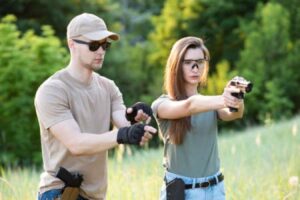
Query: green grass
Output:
(19,184)
(257,164)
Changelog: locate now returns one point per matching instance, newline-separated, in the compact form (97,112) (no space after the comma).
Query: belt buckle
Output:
(205,184)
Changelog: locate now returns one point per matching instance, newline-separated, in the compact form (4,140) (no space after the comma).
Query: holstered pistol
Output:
(72,183)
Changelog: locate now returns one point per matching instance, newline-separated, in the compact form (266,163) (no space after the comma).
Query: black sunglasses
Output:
(94,45)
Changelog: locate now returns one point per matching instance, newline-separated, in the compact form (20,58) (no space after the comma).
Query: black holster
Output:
(72,183)
(175,189)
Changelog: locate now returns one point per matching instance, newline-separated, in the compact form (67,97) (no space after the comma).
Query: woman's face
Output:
(193,66)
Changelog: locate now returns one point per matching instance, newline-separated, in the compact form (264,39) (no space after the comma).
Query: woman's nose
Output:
(195,67)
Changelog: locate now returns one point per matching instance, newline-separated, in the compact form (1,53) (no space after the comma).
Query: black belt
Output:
(206,184)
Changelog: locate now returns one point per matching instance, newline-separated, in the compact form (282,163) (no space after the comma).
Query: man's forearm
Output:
(88,143)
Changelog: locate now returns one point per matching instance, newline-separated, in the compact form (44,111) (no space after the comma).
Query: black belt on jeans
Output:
(206,184)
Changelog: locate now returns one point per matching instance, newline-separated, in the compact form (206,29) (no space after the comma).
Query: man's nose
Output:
(100,50)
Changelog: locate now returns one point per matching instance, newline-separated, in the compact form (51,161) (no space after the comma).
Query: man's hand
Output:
(135,134)
(139,112)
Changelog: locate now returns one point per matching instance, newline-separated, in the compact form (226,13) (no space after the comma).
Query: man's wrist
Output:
(130,135)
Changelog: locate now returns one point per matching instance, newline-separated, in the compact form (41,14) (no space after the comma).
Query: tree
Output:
(171,25)
(293,7)
(216,21)
(127,63)
(268,60)
(25,61)
(33,14)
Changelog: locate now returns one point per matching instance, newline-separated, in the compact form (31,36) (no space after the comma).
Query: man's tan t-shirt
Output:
(61,97)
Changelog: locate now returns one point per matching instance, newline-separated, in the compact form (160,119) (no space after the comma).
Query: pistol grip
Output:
(231,109)
(70,193)
(239,95)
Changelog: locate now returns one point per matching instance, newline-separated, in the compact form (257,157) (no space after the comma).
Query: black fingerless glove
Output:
(135,107)
(131,135)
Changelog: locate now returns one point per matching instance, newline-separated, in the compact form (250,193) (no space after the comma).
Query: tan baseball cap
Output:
(89,26)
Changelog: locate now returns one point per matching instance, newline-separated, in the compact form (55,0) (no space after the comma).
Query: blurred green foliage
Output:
(25,60)
(33,14)
(266,59)
(259,40)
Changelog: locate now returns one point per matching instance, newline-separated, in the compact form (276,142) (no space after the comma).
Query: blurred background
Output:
(256,39)
(259,40)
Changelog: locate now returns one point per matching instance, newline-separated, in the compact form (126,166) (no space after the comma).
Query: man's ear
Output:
(70,43)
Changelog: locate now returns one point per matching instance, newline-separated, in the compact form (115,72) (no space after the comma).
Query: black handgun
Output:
(72,183)
(244,86)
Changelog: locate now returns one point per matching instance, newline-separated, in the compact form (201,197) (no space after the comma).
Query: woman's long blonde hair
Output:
(174,82)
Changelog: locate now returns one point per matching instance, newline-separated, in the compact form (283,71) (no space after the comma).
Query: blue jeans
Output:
(215,192)
(53,194)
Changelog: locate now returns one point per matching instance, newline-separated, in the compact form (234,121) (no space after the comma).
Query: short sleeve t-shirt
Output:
(61,97)
(198,155)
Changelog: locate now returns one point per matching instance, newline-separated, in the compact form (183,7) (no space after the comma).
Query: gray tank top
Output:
(198,155)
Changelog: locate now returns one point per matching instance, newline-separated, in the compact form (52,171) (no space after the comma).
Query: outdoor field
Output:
(140,50)
(260,163)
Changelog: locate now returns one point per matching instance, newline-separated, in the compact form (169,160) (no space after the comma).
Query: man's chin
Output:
(97,67)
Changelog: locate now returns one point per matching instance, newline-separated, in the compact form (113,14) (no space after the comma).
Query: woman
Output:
(188,121)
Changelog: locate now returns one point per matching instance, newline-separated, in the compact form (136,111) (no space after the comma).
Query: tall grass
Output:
(19,184)
(259,164)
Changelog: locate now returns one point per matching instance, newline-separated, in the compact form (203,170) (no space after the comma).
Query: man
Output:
(75,107)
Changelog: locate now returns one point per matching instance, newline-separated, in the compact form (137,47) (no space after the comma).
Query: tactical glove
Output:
(135,107)
(131,135)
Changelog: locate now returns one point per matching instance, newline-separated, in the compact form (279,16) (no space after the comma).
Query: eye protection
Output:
(94,45)
(195,63)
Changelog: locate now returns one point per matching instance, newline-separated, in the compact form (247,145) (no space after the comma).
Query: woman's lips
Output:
(195,77)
